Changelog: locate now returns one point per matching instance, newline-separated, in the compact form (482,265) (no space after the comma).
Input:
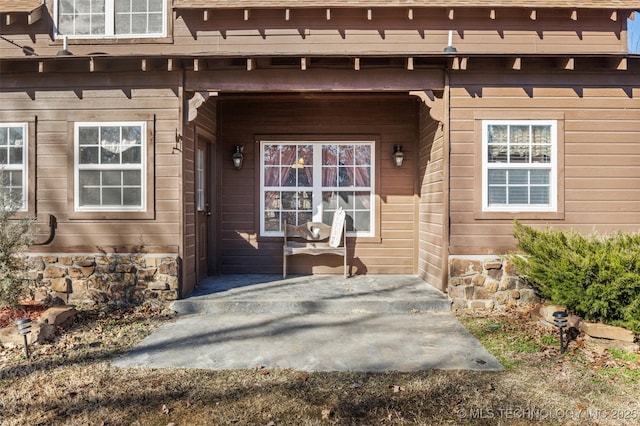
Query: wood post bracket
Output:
(196,102)
(435,104)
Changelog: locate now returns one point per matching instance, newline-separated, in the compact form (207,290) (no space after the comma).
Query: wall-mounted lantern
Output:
(238,157)
(398,156)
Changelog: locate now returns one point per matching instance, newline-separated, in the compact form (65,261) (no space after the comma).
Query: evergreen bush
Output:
(595,276)
(15,238)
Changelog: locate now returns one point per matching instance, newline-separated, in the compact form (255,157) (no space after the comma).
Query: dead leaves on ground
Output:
(326,413)
(396,388)
(516,323)
(165,410)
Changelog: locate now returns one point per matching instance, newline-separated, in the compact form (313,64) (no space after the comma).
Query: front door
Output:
(203,209)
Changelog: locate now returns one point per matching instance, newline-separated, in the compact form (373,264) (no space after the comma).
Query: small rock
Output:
(604,331)
(59,315)
(545,312)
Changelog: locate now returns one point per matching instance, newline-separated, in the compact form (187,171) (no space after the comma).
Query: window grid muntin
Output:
(104,170)
(347,192)
(155,11)
(290,195)
(541,155)
(14,161)
(200,180)
(318,210)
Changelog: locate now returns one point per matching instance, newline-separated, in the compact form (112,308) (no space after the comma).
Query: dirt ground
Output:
(70,381)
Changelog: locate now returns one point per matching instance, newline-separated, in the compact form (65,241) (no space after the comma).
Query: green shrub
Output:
(595,276)
(15,237)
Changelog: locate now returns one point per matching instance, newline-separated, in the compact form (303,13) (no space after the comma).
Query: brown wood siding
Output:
(350,32)
(432,242)
(390,32)
(389,119)
(205,121)
(600,180)
(56,111)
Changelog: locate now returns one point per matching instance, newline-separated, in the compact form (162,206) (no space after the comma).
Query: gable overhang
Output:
(12,11)
(547,4)
(617,9)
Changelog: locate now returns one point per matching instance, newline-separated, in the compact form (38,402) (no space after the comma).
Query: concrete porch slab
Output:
(329,294)
(319,323)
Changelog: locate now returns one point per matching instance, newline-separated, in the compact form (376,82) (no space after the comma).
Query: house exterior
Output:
(120,123)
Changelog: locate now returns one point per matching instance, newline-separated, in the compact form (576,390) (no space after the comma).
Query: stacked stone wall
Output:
(485,282)
(125,278)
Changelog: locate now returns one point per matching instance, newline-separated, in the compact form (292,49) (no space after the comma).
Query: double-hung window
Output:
(13,165)
(110,166)
(519,171)
(309,181)
(111,18)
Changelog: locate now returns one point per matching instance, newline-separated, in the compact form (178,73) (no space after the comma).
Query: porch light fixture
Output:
(24,328)
(560,320)
(398,156)
(238,157)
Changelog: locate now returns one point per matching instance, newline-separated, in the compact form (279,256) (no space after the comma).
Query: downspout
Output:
(53,221)
(178,150)
(446,222)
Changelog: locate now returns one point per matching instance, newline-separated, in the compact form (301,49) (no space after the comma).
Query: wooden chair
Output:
(316,238)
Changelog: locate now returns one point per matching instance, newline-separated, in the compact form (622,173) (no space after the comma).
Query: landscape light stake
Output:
(24,328)
(560,320)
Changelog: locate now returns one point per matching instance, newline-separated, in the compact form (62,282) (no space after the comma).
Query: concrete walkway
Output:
(313,323)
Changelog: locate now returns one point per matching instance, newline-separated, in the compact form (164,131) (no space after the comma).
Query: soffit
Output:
(17,6)
(262,4)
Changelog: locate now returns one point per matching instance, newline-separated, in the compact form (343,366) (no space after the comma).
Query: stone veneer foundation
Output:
(126,278)
(485,282)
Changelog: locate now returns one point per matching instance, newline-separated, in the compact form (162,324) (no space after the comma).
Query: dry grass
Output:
(70,381)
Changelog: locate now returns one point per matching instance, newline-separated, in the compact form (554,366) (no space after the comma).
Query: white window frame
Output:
(142,167)
(110,31)
(200,179)
(317,189)
(552,166)
(24,166)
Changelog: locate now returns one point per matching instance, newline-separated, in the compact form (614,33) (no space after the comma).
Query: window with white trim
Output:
(519,165)
(110,166)
(13,164)
(111,18)
(308,181)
